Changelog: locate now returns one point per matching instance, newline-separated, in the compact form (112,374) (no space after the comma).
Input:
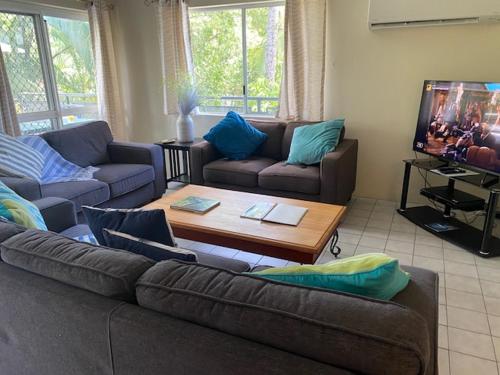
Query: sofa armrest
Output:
(141,153)
(58,213)
(338,173)
(201,153)
(27,188)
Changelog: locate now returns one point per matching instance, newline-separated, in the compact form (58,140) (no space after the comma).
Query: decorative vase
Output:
(185,129)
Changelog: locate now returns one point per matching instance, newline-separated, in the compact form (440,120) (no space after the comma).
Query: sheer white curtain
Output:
(8,116)
(175,48)
(302,88)
(108,88)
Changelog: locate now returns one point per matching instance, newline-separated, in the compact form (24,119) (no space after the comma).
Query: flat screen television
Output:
(460,122)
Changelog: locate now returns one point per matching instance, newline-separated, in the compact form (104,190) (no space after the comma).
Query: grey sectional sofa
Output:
(130,174)
(331,181)
(68,308)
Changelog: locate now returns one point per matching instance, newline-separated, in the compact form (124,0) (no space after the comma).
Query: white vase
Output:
(185,129)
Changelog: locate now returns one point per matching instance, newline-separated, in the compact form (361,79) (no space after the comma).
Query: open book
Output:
(276,213)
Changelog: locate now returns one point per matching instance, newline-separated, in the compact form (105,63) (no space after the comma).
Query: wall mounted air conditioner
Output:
(412,13)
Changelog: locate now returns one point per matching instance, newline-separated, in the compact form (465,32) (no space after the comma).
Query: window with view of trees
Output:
(50,67)
(238,57)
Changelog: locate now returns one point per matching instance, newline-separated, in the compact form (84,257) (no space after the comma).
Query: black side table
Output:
(178,151)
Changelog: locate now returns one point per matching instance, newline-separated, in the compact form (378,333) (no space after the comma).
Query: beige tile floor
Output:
(469,321)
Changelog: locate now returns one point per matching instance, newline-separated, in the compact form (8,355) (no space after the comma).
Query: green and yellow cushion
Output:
(19,210)
(373,275)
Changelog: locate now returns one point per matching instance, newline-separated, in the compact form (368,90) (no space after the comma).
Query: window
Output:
(50,68)
(238,57)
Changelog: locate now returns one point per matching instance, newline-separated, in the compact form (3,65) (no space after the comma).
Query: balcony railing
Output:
(34,116)
(256,105)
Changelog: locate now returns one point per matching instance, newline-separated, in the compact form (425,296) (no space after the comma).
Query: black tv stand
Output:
(441,223)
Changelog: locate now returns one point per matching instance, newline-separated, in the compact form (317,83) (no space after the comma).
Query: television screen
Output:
(460,122)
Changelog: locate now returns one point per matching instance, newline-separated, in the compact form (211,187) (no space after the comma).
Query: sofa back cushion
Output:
(83,145)
(329,327)
(271,148)
(288,135)
(110,273)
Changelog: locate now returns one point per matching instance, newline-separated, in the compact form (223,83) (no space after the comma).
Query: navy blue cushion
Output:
(148,224)
(150,249)
(234,137)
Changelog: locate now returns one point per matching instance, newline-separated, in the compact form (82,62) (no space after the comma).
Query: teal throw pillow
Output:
(19,210)
(234,137)
(310,143)
(373,275)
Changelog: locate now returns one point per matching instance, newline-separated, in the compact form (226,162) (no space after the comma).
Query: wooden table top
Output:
(310,236)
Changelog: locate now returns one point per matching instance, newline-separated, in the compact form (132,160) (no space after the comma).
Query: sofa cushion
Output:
(151,225)
(83,145)
(286,317)
(234,137)
(19,210)
(236,172)
(271,148)
(124,178)
(18,159)
(150,249)
(375,275)
(104,271)
(288,135)
(89,193)
(311,143)
(288,177)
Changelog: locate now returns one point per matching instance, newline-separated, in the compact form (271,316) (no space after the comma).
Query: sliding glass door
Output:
(50,68)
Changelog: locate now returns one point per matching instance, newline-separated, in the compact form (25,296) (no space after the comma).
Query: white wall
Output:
(373,79)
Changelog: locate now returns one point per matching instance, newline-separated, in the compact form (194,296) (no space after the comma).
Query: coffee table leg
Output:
(334,249)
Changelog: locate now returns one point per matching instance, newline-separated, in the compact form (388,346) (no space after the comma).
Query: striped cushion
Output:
(56,168)
(18,159)
(89,238)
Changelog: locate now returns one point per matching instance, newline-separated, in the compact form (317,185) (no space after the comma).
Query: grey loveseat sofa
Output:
(130,174)
(68,308)
(266,172)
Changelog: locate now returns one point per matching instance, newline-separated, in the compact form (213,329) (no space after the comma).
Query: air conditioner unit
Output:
(413,13)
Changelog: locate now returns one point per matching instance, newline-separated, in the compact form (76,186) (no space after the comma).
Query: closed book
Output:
(195,204)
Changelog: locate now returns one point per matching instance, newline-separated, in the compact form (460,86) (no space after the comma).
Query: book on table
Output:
(195,204)
(258,211)
(276,213)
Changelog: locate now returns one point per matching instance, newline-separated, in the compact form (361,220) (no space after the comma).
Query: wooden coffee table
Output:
(223,225)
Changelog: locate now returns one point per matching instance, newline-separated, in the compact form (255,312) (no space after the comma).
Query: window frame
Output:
(243,7)
(55,112)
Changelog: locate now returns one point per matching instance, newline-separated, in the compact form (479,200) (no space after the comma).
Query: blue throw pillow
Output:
(150,249)
(234,137)
(148,224)
(310,143)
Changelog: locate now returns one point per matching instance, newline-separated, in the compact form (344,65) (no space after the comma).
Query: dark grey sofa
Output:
(68,308)
(130,174)
(331,181)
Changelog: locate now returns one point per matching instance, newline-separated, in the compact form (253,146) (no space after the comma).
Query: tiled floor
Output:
(469,330)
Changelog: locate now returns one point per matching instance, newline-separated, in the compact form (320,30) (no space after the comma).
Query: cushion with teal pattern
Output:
(18,210)
(373,275)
